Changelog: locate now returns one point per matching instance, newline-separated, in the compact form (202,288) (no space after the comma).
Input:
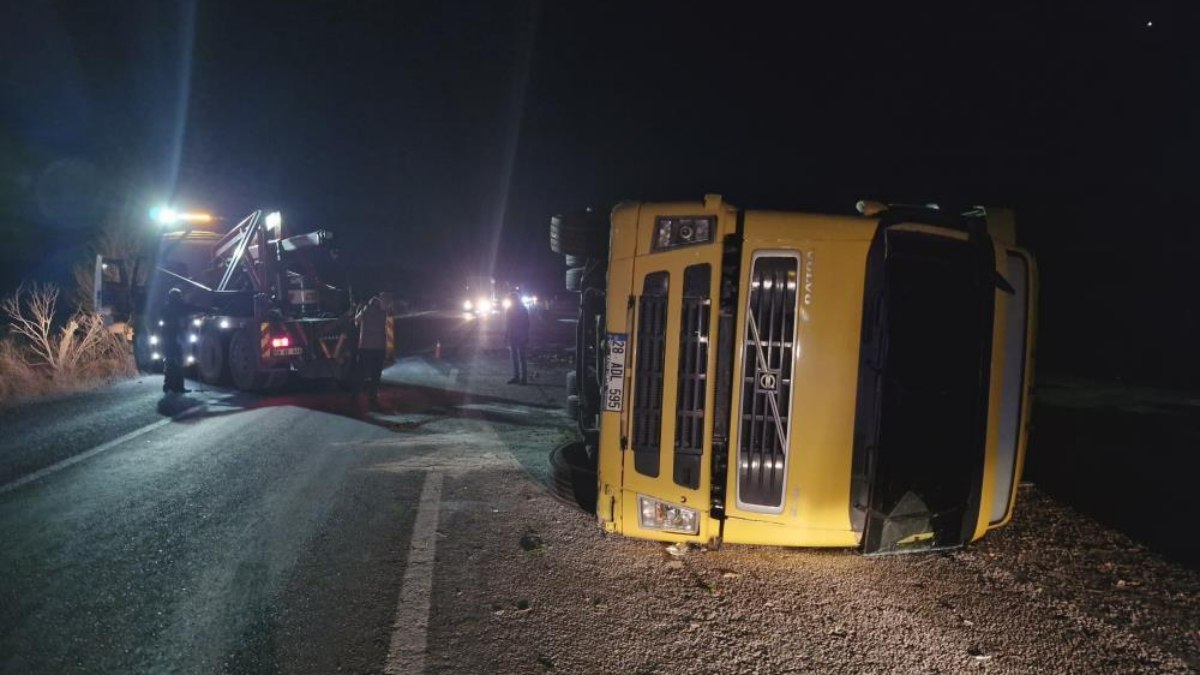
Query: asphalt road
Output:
(295,533)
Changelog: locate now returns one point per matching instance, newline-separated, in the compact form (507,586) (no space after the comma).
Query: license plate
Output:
(290,351)
(614,372)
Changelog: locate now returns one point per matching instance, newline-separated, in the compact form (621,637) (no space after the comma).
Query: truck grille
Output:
(693,375)
(648,375)
(766,382)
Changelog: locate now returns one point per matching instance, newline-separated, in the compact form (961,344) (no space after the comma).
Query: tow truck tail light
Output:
(281,342)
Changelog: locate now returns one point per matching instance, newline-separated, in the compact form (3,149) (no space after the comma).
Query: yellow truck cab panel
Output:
(807,380)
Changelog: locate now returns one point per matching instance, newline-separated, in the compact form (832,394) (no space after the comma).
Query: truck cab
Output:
(797,379)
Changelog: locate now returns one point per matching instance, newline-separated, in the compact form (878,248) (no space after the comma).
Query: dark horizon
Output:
(427,136)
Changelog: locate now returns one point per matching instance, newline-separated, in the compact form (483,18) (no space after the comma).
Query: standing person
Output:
(372,342)
(516,334)
(173,313)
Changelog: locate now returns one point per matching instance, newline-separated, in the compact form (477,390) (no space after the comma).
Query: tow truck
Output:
(267,305)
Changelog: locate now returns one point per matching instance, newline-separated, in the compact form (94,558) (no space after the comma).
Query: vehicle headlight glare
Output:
(153,339)
(484,305)
(193,338)
(191,359)
(155,356)
(506,303)
(197,322)
(655,514)
(468,305)
(224,324)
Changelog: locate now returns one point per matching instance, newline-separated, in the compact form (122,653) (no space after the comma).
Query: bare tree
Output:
(63,350)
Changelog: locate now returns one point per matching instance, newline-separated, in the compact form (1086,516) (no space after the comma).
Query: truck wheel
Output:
(211,363)
(243,360)
(581,233)
(574,278)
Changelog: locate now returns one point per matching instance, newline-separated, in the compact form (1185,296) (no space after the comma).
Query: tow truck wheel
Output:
(243,360)
(211,363)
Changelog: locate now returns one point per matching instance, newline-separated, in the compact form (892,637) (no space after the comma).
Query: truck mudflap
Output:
(921,423)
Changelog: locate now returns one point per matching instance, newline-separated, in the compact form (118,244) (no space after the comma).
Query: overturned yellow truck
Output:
(798,379)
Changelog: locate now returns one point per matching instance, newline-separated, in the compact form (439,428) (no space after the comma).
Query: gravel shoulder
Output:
(529,585)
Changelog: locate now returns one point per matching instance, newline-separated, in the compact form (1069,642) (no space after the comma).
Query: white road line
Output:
(406,656)
(75,459)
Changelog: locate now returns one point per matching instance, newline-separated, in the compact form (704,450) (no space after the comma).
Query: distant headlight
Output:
(224,324)
(484,305)
(155,356)
(654,514)
(191,359)
(192,338)
(528,300)
(506,303)
(468,305)
(197,322)
(153,339)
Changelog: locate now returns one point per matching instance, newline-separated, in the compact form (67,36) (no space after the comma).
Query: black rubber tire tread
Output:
(575,279)
(574,476)
(212,364)
(582,233)
(243,360)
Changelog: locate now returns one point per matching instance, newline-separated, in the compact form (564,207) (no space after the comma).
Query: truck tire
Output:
(243,360)
(212,364)
(581,233)
(575,279)
(573,476)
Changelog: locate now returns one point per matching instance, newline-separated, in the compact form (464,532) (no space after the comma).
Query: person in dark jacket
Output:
(174,312)
(516,334)
(371,321)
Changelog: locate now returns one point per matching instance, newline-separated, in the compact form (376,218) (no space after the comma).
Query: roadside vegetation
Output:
(42,353)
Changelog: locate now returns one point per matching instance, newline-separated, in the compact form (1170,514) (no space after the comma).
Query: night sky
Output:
(436,137)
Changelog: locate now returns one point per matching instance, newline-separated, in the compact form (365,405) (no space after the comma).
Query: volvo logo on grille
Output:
(768,380)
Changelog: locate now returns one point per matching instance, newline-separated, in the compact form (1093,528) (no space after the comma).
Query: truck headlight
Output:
(191,359)
(673,231)
(655,514)
(468,305)
(484,305)
(153,339)
(192,338)
(506,303)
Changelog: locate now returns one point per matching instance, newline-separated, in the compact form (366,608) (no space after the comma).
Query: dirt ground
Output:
(535,587)
(526,583)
